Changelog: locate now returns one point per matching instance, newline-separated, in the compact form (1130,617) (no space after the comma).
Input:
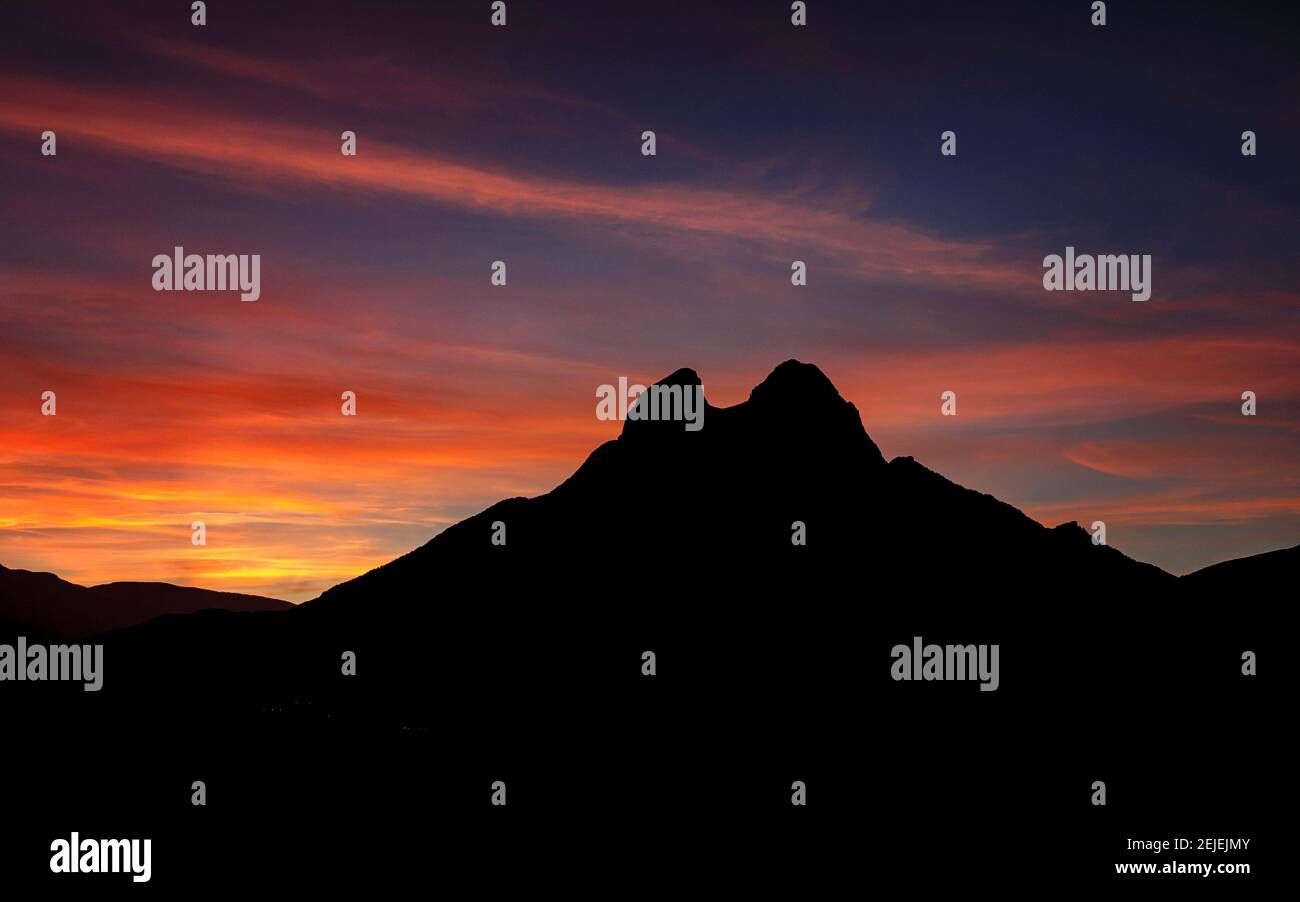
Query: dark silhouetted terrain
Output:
(1272,571)
(522,662)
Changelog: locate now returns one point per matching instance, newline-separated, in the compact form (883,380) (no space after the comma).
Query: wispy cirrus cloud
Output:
(254,155)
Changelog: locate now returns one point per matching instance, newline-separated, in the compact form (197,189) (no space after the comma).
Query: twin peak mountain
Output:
(662,512)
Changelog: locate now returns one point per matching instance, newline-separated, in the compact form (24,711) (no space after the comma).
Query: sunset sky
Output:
(522,144)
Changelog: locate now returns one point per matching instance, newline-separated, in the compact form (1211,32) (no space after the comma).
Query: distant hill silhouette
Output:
(41,605)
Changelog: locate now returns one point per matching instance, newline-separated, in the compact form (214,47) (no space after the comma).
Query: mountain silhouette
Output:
(664,528)
(477,661)
(721,504)
(661,530)
(709,512)
(43,606)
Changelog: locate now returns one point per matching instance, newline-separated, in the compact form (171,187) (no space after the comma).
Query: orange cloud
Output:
(1053,382)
